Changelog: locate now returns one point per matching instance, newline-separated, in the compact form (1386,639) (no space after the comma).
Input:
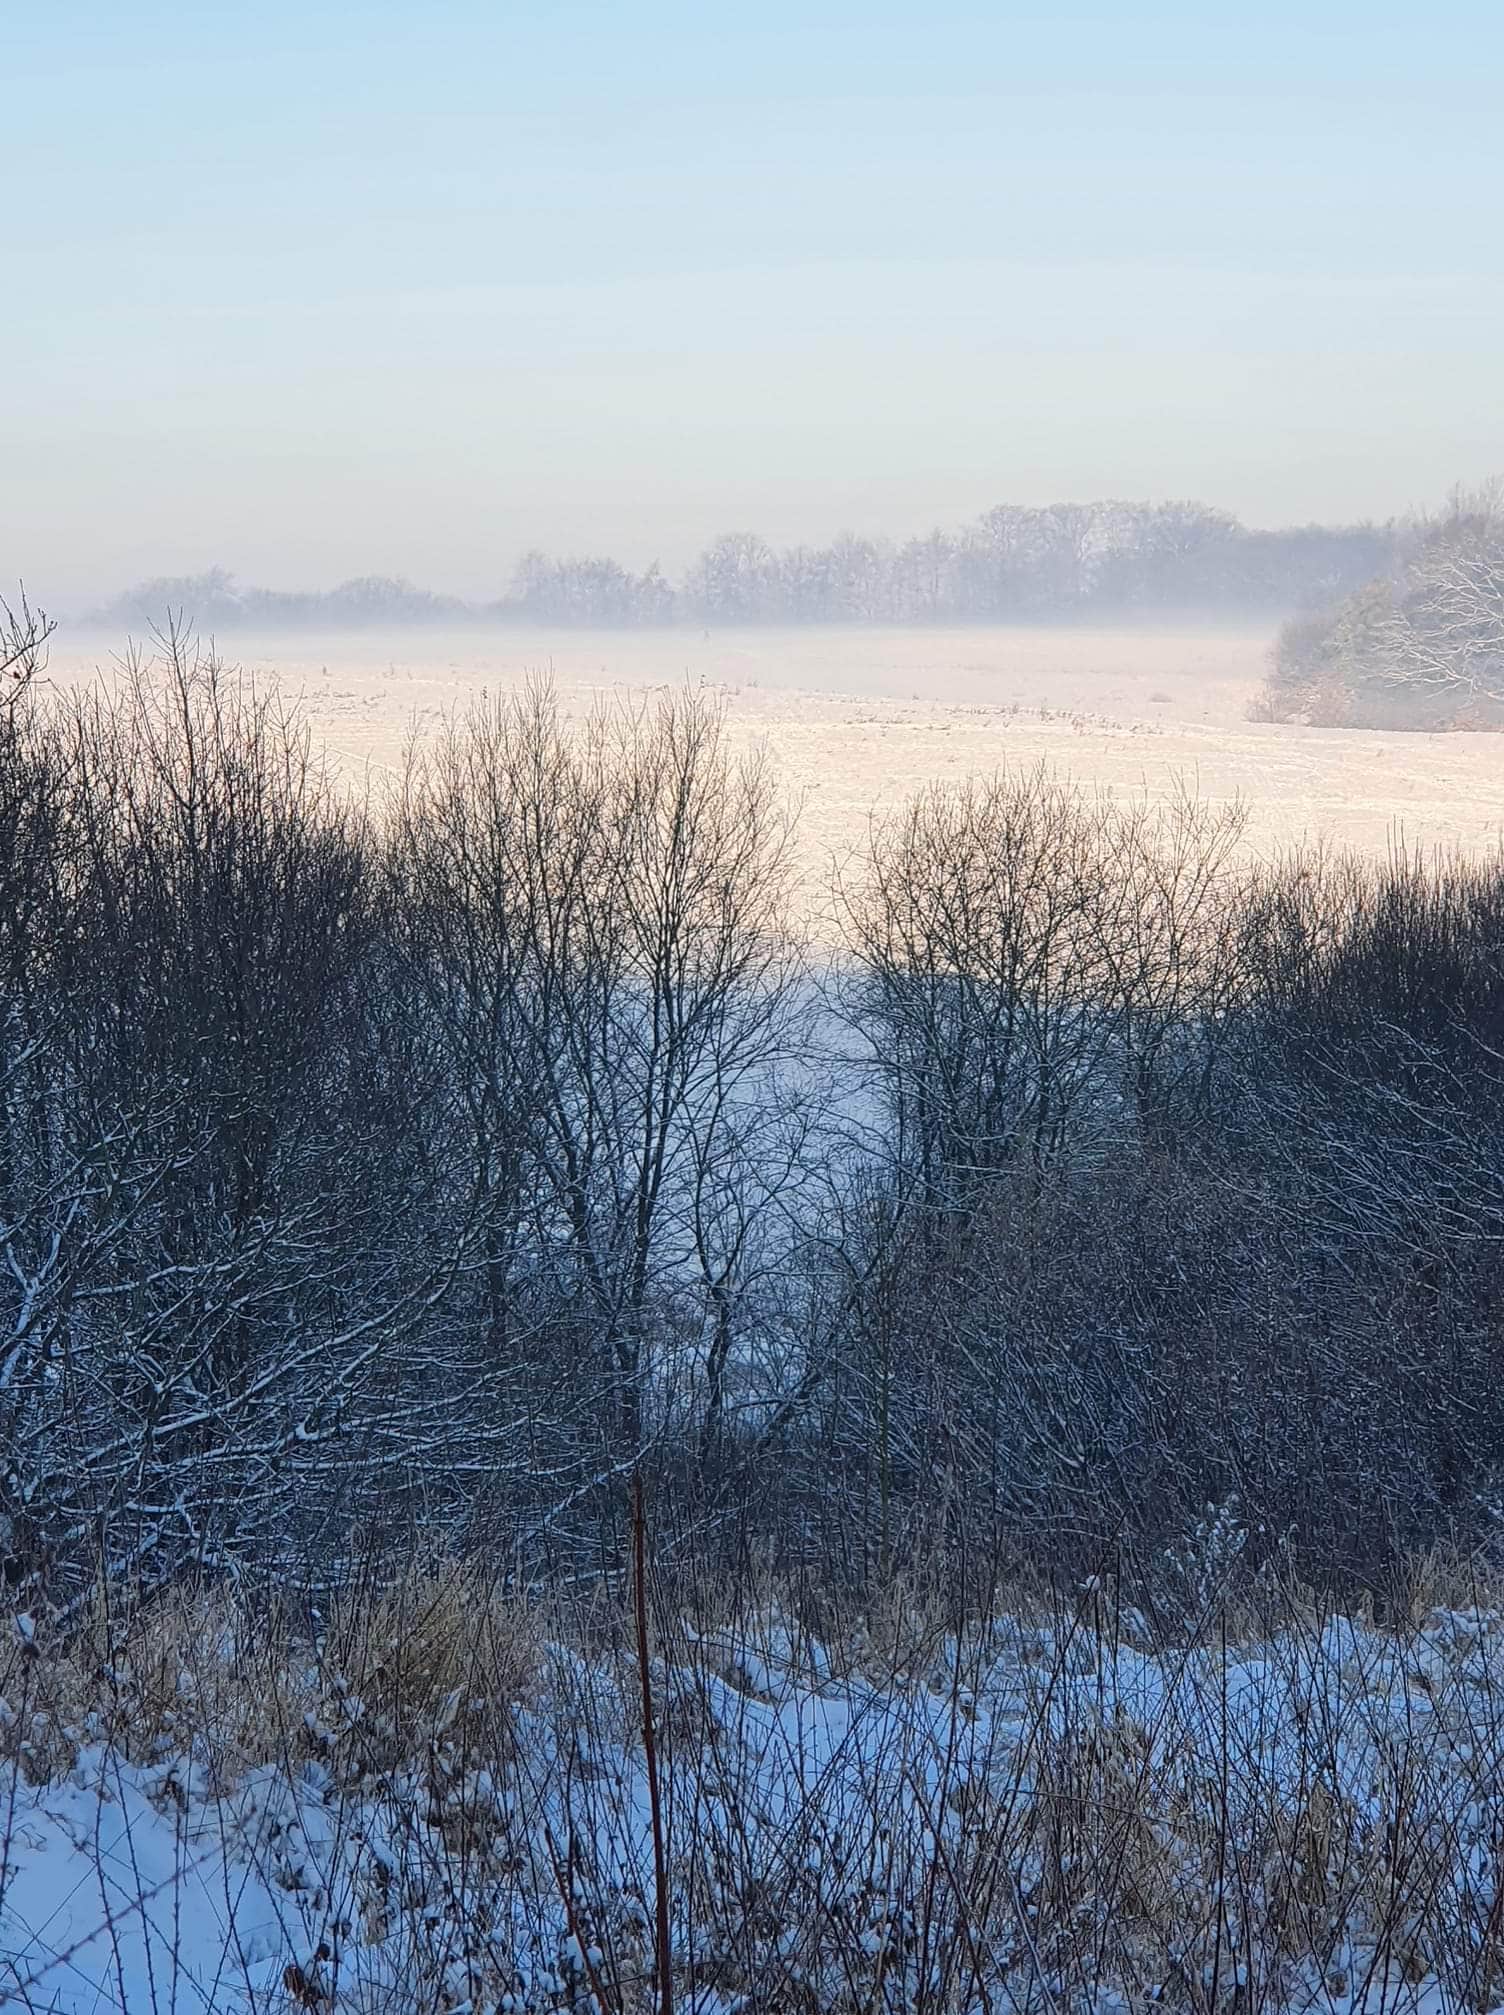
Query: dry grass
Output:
(1288,1810)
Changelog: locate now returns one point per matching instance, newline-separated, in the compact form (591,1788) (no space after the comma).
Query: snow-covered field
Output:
(856,719)
(1046,1815)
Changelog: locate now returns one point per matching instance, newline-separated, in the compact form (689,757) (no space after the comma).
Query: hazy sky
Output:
(313,289)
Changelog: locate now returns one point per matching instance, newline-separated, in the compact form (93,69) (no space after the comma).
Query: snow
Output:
(114,1896)
(441,1882)
(857,719)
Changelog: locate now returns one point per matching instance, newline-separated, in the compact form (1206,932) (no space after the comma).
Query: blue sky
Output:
(320,289)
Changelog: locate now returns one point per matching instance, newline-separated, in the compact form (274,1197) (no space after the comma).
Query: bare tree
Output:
(1420,645)
(980,932)
(24,635)
(602,934)
(216,1261)
(1446,631)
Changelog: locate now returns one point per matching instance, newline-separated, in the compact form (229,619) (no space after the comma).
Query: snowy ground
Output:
(857,719)
(1041,1819)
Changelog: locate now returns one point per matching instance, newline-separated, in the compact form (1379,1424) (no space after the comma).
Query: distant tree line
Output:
(1419,645)
(1014,564)
(437,1164)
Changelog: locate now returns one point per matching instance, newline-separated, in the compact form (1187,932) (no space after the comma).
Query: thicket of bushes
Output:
(446,1160)
(1421,645)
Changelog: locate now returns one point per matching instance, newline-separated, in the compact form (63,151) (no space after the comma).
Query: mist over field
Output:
(855,718)
(1064,562)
